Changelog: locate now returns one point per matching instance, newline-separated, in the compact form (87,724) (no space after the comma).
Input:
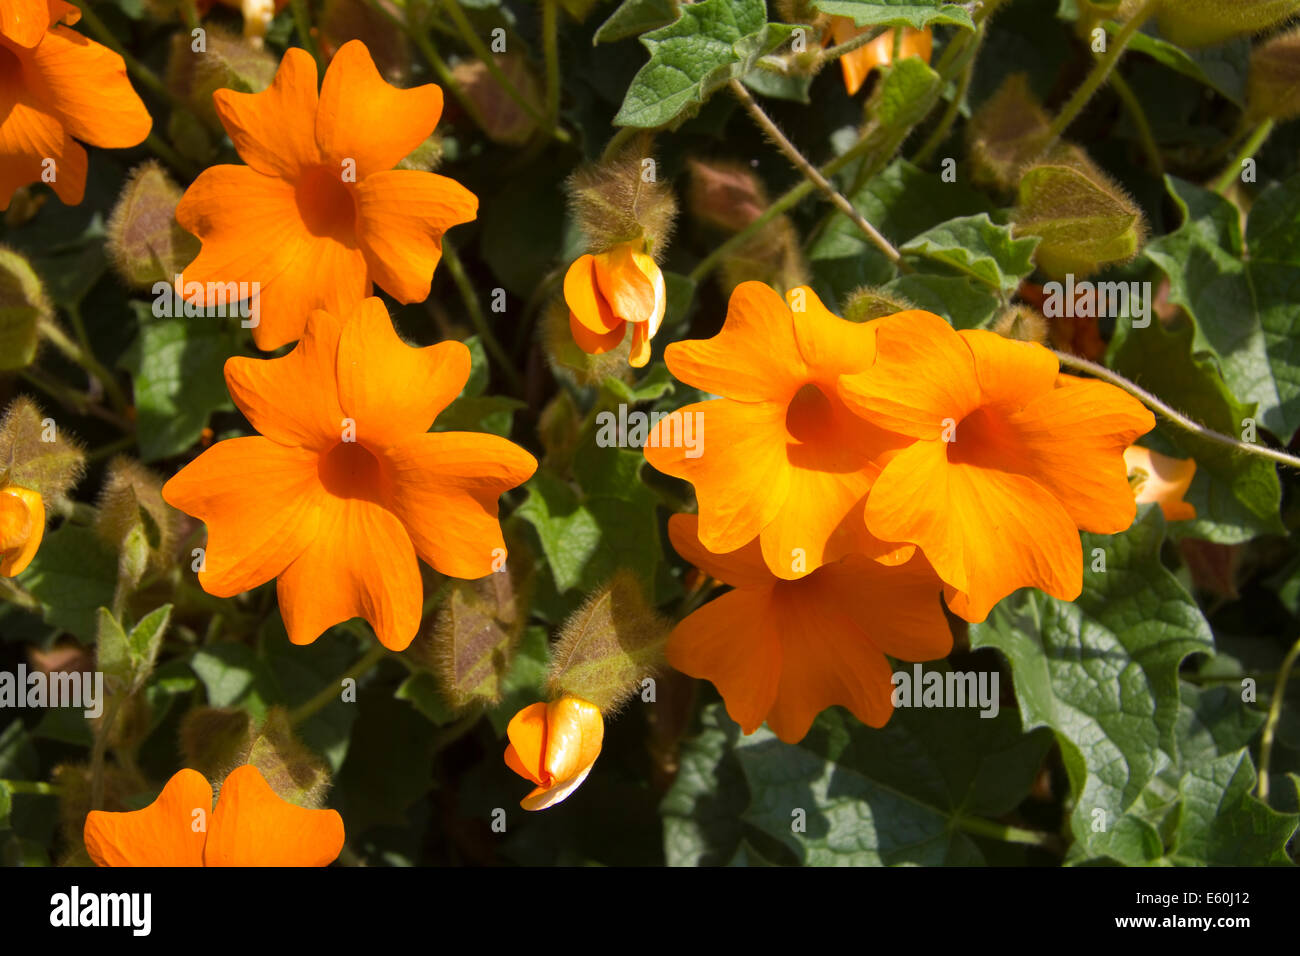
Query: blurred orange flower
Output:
(608,292)
(319,215)
(1160,478)
(251,826)
(1010,458)
(781,458)
(348,485)
(857,65)
(57,87)
(22,526)
(554,745)
(783,651)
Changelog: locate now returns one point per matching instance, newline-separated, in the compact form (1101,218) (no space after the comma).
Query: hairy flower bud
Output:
(1007,131)
(1273,89)
(868,302)
(1196,23)
(145,243)
(23,307)
(1083,219)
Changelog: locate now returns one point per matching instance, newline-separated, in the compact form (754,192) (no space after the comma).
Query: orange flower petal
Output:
(985,532)
(597,343)
(252,231)
(733,642)
(575,731)
(897,607)
(830,345)
(84,84)
(168,832)
(628,290)
(527,734)
(754,358)
(742,479)
(261,503)
(401,217)
(640,352)
(274,130)
(924,373)
(827,659)
(1072,442)
(1009,372)
(587,305)
(294,399)
(28,137)
(1164,480)
(253,826)
(817,505)
(363,118)
(25,21)
(360,564)
(446,488)
(742,568)
(392,389)
(22,527)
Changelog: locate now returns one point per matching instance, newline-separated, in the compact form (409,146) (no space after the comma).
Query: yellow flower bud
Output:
(554,745)
(22,525)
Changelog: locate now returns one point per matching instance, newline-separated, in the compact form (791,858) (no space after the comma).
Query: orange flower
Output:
(1159,478)
(1010,460)
(858,64)
(780,458)
(57,87)
(251,826)
(608,292)
(783,651)
(319,213)
(348,485)
(22,526)
(554,745)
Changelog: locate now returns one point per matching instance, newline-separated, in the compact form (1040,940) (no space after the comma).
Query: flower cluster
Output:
(856,471)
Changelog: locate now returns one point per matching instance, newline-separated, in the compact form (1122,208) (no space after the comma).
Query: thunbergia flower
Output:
(783,651)
(346,485)
(610,291)
(554,745)
(58,87)
(1009,458)
(1159,478)
(251,826)
(783,459)
(856,65)
(319,216)
(22,526)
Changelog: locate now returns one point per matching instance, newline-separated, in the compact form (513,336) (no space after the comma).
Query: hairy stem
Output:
(1172,414)
(811,173)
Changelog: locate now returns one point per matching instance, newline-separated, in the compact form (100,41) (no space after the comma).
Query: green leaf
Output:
(147,635)
(654,385)
(112,649)
(73,574)
(712,42)
(634,17)
(977,247)
(6,804)
(1102,673)
(965,303)
(898,13)
(702,809)
(1242,293)
(902,202)
(892,796)
(234,676)
(569,532)
(1223,67)
(176,366)
(1236,496)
